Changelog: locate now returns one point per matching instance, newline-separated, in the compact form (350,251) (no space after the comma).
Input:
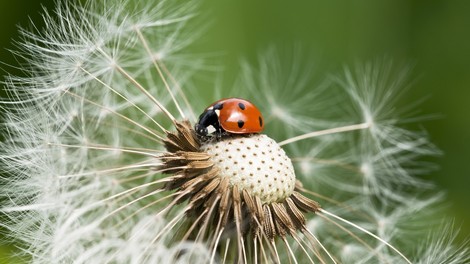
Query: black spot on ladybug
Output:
(260,121)
(218,106)
(242,106)
(240,123)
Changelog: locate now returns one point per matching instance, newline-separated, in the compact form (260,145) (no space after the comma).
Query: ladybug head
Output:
(201,130)
(208,123)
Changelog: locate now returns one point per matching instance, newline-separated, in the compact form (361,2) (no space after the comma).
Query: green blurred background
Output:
(432,35)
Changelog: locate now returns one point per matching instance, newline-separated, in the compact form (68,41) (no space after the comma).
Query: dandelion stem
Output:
(367,232)
(325,132)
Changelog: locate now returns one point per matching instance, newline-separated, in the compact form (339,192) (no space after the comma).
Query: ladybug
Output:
(230,115)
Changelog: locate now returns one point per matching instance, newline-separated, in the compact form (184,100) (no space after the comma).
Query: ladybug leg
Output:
(219,131)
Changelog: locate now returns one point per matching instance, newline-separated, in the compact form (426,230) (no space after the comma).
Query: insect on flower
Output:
(232,115)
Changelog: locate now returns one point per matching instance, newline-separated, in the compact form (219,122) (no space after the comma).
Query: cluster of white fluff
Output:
(83,140)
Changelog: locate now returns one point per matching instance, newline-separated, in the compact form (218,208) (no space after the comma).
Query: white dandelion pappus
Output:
(102,166)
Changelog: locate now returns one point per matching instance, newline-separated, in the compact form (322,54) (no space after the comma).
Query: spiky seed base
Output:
(242,184)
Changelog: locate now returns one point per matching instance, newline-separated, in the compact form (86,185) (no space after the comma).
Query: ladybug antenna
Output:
(156,62)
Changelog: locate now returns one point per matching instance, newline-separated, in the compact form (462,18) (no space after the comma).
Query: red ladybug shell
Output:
(240,116)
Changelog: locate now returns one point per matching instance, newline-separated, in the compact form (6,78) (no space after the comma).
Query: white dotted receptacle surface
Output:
(256,164)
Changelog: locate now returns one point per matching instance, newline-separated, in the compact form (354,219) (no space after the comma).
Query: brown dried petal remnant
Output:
(220,207)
